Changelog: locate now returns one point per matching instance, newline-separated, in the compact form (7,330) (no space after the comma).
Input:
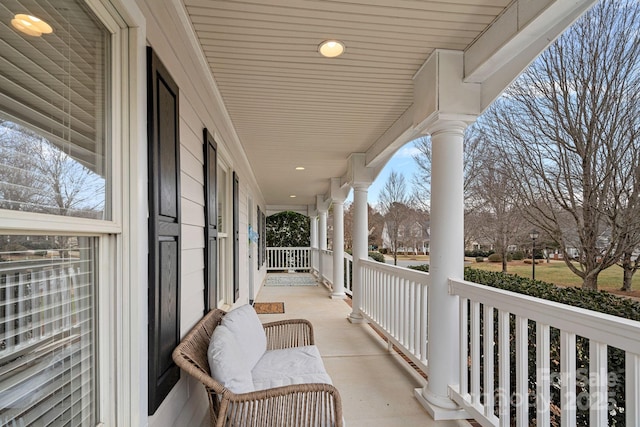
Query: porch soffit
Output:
(292,107)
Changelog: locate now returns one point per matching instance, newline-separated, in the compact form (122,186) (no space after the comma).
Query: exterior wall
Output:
(200,107)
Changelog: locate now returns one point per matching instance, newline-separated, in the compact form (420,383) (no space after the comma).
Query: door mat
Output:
(269,307)
(290,279)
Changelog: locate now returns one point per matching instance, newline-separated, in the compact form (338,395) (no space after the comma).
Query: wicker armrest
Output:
(300,405)
(288,333)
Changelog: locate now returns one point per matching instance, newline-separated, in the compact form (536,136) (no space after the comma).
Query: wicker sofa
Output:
(304,404)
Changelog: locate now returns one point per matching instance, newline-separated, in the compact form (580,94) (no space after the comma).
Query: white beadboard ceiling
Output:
(292,107)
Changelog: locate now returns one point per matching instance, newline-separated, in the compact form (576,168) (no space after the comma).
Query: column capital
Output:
(447,124)
(322,204)
(440,92)
(358,174)
(339,192)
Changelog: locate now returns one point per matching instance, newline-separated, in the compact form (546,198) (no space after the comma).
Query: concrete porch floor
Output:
(376,385)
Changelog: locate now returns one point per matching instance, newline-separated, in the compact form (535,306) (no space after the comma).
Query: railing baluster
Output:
(632,388)
(568,378)
(489,352)
(475,353)
(505,373)
(464,354)
(598,385)
(543,375)
(522,372)
(424,337)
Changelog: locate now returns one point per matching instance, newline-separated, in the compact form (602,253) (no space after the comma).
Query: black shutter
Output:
(236,238)
(211,223)
(164,229)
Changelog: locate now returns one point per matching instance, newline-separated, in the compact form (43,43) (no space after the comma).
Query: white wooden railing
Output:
(394,299)
(325,273)
(294,259)
(315,261)
(479,305)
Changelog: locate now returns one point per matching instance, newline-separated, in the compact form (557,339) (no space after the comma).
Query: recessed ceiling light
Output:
(293,196)
(31,25)
(331,48)
(300,168)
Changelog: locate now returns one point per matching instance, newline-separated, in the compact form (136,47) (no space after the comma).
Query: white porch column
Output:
(446,261)
(360,239)
(338,196)
(314,231)
(322,229)
(313,238)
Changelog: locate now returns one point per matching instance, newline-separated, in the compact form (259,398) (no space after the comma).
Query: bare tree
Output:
(376,224)
(568,130)
(491,195)
(37,176)
(393,202)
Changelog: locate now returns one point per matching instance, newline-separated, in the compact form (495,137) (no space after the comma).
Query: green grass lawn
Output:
(558,273)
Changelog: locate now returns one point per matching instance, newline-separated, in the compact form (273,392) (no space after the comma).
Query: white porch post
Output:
(360,178)
(446,261)
(359,234)
(322,229)
(314,231)
(313,240)
(338,196)
(444,105)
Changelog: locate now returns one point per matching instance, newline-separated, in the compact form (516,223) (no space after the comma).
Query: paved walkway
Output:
(376,385)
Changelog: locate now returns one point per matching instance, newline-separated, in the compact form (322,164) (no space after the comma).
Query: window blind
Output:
(53,111)
(47,362)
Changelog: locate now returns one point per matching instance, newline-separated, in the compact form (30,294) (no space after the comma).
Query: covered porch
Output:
(261,122)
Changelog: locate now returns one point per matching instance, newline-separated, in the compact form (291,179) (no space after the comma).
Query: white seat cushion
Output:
(244,324)
(227,362)
(298,365)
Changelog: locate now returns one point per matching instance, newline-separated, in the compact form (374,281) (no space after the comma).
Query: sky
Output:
(402,162)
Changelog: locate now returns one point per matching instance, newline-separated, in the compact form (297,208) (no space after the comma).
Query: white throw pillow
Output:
(228,363)
(246,327)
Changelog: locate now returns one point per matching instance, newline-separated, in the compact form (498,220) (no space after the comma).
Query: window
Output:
(56,175)
(47,367)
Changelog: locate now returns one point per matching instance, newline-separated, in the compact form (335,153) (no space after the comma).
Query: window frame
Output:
(112,236)
(226,238)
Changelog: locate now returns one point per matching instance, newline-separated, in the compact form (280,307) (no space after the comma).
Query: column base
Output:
(440,408)
(338,296)
(356,318)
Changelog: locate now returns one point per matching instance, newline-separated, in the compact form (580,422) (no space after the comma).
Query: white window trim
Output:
(127,349)
(225,301)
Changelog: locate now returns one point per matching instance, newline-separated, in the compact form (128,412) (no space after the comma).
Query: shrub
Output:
(477,252)
(421,267)
(479,259)
(518,255)
(377,256)
(495,258)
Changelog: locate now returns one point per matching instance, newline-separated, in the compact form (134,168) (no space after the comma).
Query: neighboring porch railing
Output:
(294,259)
